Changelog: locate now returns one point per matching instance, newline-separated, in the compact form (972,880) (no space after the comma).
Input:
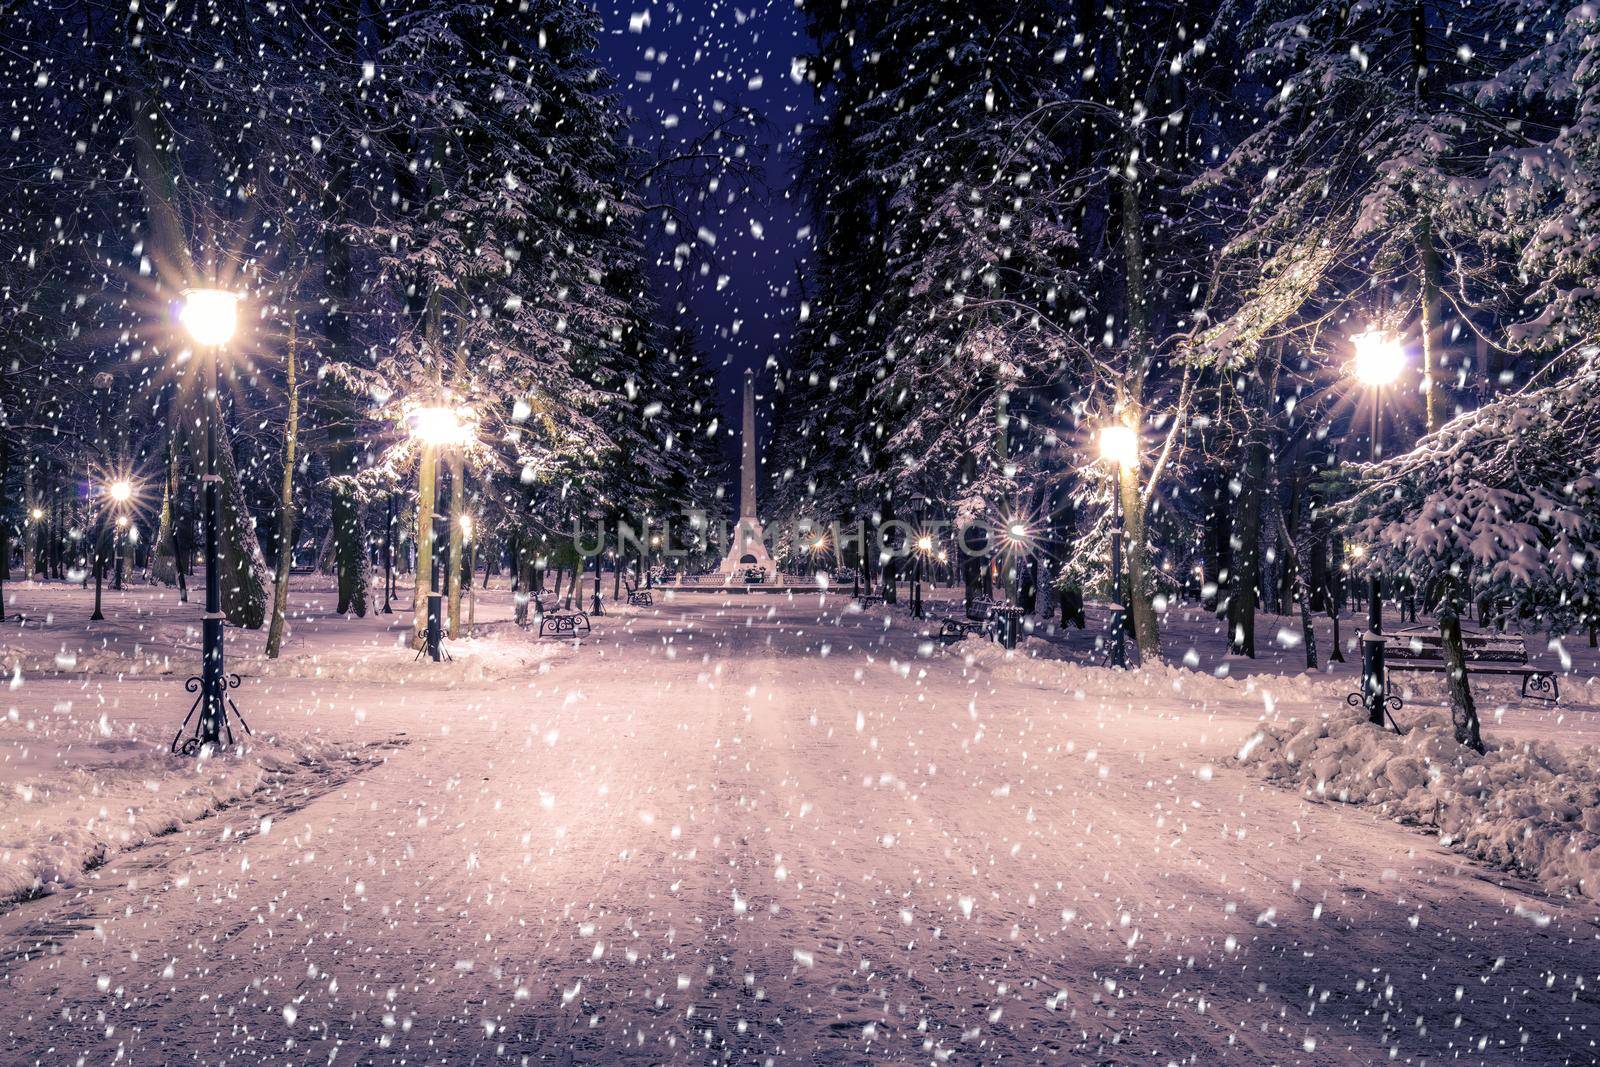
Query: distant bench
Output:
(1418,651)
(979,618)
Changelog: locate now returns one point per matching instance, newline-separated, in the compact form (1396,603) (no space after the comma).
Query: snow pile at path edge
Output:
(1526,805)
(54,828)
(1035,661)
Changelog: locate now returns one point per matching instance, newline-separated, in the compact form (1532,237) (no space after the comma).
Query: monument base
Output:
(747,548)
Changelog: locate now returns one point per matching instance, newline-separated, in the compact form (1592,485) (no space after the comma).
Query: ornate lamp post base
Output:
(214,705)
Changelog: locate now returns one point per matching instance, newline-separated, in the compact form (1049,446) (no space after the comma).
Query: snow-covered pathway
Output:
(765,829)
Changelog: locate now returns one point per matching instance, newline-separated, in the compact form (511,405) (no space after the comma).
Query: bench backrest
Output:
(1475,648)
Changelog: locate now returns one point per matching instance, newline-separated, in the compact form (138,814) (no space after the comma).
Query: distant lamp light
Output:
(121,491)
(210,315)
(37,513)
(1119,444)
(1380,357)
(466,527)
(122,521)
(924,543)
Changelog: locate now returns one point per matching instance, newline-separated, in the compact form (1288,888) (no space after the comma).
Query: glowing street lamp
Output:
(1119,446)
(924,544)
(1379,359)
(434,427)
(211,316)
(440,427)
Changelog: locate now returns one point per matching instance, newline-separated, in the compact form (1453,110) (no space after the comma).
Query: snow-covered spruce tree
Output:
(944,290)
(1540,192)
(1500,508)
(516,251)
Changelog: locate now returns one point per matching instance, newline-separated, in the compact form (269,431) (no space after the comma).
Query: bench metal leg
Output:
(1541,684)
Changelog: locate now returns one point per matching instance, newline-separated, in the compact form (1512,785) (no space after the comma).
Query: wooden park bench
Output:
(1420,651)
(557,623)
(637,595)
(979,617)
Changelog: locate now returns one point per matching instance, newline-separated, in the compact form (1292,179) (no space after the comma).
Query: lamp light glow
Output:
(438,426)
(121,491)
(210,315)
(1119,444)
(1380,357)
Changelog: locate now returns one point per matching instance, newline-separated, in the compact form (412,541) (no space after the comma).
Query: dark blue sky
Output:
(680,65)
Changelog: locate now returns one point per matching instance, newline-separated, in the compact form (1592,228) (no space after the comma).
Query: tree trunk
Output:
(244,585)
(350,562)
(1245,573)
(453,570)
(30,525)
(98,564)
(280,599)
(1463,710)
(1131,387)
(1432,356)
(1427,250)
(1302,588)
(422,583)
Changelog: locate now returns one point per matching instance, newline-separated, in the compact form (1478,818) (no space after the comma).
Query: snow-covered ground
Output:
(739,828)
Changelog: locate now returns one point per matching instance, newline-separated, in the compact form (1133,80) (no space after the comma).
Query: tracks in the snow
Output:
(42,926)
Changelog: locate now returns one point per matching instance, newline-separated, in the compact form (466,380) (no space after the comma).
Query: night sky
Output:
(675,63)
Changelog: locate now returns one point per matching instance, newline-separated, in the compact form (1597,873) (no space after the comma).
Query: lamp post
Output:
(1379,359)
(210,316)
(121,492)
(434,427)
(388,555)
(467,530)
(924,546)
(37,549)
(1120,447)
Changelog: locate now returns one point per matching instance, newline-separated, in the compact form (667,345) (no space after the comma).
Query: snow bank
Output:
(501,652)
(495,656)
(1526,805)
(1034,661)
(120,793)
(23,661)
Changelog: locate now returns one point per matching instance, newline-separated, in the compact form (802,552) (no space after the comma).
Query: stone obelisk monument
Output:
(747,547)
